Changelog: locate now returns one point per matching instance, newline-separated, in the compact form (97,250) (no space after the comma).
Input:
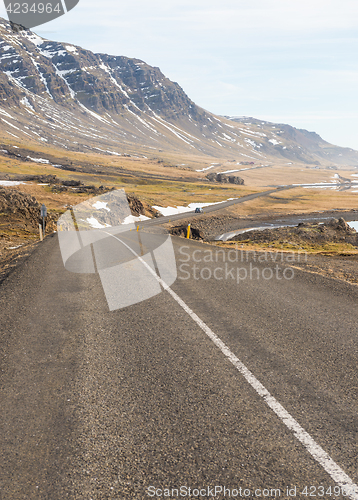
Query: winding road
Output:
(215,207)
(240,380)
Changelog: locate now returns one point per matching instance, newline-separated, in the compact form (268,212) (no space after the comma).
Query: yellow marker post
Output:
(188,232)
(137,229)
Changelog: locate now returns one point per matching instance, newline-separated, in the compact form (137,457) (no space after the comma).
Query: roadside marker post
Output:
(188,232)
(43,215)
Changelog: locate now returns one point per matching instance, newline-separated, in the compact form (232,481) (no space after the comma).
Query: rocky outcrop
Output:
(234,179)
(341,225)
(141,208)
(44,179)
(305,233)
(182,230)
(223,178)
(27,208)
(15,202)
(79,187)
(101,82)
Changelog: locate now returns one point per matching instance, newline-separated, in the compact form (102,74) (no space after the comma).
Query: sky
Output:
(285,61)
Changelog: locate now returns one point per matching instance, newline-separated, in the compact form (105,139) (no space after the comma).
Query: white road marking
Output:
(317,452)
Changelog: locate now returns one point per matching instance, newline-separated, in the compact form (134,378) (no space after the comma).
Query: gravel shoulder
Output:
(344,268)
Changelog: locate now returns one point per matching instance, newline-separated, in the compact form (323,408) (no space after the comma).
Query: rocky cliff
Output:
(61,94)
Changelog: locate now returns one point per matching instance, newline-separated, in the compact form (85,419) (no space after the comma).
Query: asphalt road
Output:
(116,405)
(215,207)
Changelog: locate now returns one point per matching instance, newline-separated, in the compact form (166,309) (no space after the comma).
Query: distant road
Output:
(116,405)
(214,208)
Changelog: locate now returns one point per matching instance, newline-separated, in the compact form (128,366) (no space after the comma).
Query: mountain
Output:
(60,94)
(299,144)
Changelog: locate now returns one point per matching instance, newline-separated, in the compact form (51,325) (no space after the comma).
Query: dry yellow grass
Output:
(328,249)
(297,200)
(167,179)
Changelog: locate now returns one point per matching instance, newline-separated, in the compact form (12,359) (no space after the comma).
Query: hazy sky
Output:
(288,61)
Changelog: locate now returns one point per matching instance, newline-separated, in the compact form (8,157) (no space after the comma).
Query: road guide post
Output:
(43,215)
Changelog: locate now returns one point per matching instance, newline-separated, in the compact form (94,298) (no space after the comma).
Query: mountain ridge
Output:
(61,94)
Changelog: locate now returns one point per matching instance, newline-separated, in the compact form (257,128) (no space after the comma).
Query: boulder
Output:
(233,179)
(223,179)
(72,183)
(13,201)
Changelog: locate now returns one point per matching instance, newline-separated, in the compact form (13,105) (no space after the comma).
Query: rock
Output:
(13,201)
(211,177)
(141,208)
(78,187)
(182,230)
(222,178)
(312,233)
(43,179)
(72,183)
(233,179)
(333,222)
(342,225)
(16,27)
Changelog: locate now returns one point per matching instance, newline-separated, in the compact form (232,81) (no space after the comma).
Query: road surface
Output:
(140,402)
(215,207)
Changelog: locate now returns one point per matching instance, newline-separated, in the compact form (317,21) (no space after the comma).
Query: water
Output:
(280,223)
(353,224)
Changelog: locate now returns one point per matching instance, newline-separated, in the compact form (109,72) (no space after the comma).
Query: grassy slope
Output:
(168,179)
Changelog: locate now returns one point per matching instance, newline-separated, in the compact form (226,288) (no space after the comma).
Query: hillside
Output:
(63,95)
(299,144)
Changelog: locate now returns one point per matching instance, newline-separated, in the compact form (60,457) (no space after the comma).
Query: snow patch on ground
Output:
(93,222)
(179,210)
(26,103)
(5,114)
(92,113)
(38,160)
(101,205)
(71,48)
(132,218)
(206,168)
(33,38)
(11,183)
